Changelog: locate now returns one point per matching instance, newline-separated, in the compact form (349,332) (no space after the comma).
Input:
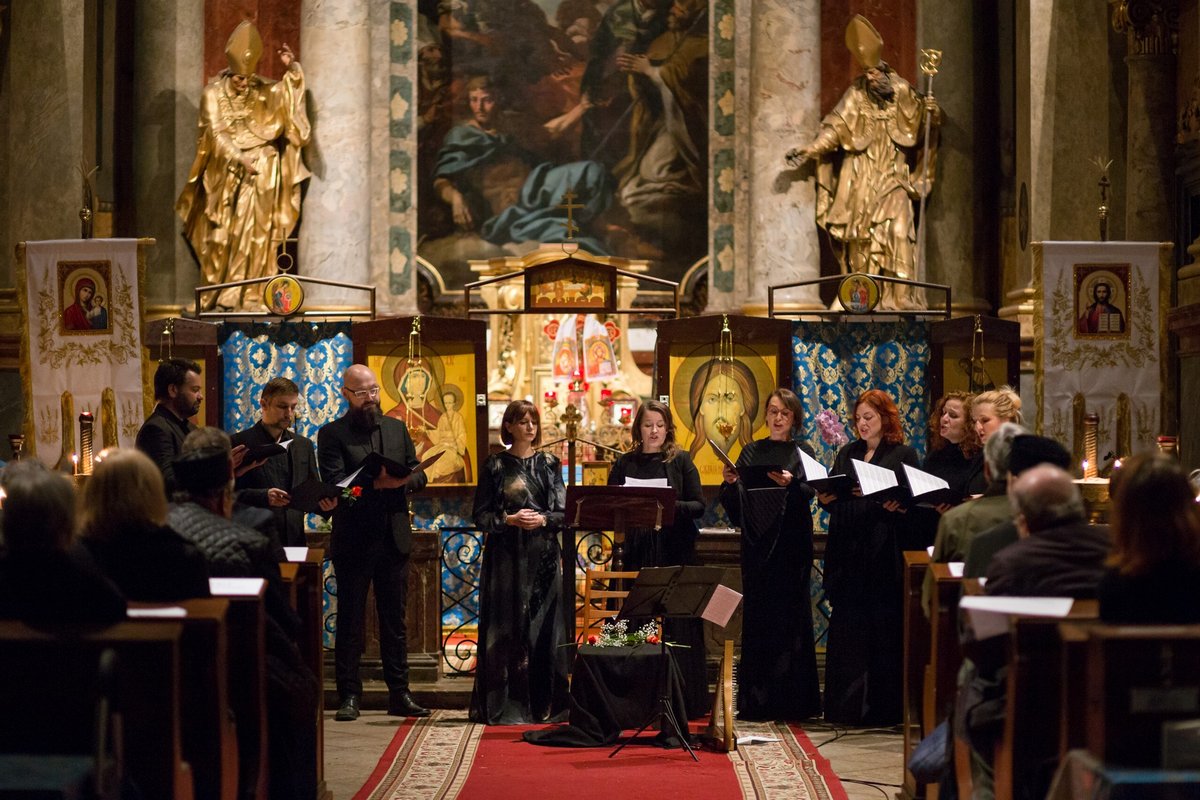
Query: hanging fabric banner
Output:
(82,318)
(566,358)
(599,360)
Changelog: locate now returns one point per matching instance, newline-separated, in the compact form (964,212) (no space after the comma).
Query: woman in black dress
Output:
(655,455)
(956,456)
(863,570)
(777,675)
(520,671)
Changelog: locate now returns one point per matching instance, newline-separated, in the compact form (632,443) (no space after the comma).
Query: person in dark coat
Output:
(41,580)
(777,675)
(178,394)
(371,541)
(123,526)
(655,455)
(267,486)
(1154,567)
(521,666)
(863,577)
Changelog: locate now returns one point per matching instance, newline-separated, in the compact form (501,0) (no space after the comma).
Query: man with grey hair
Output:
(960,524)
(1058,554)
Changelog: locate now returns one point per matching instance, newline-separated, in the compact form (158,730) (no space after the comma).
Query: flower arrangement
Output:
(616,634)
(350,494)
(833,432)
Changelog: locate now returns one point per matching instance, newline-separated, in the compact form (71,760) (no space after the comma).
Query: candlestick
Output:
(1090,423)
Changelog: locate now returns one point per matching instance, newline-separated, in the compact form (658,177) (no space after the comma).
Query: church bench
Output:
(247,677)
(916,657)
(945,652)
(51,673)
(304,580)
(1034,696)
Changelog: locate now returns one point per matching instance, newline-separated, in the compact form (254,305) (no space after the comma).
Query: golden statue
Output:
(242,197)
(867,204)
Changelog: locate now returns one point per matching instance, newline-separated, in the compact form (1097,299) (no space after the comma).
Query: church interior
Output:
(414,399)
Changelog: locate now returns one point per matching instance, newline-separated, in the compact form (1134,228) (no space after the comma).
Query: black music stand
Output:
(669,592)
(609,508)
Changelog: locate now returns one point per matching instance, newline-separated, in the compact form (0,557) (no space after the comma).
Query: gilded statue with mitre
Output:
(869,166)
(242,197)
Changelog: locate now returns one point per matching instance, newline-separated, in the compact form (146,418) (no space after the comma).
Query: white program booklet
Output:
(296,553)
(989,614)
(235,587)
(648,483)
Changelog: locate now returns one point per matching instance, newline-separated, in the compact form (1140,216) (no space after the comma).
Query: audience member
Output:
(1027,451)
(1154,566)
(123,527)
(41,580)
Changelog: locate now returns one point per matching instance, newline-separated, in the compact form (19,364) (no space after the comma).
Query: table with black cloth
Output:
(614,689)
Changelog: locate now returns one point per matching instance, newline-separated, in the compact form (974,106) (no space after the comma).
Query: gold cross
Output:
(570,205)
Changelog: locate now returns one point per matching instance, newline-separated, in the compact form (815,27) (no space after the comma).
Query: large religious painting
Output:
(536,116)
(83,292)
(1101,300)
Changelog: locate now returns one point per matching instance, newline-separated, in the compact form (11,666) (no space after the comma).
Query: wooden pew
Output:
(1034,697)
(916,658)
(247,678)
(945,653)
(51,673)
(305,590)
(209,732)
(1138,677)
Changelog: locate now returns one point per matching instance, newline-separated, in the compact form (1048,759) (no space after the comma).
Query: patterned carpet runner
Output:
(446,757)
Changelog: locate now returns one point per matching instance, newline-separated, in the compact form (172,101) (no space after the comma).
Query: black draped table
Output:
(614,689)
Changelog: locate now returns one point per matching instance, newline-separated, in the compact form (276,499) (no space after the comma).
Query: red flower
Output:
(356,491)
(593,639)
(652,639)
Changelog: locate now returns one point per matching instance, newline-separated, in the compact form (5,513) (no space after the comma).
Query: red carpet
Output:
(447,757)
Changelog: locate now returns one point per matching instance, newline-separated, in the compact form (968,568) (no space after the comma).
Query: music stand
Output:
(609,508)
(669,592)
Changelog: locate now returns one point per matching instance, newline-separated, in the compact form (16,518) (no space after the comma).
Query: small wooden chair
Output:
(601,601)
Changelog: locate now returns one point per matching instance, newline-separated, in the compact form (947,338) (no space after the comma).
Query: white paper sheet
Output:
(648,483)
(721,605)
(922,482)
(873,479)
(349,479)
(989,615)
(296,554)
(929,550)
(235,587)
(813,469)
(756,739)
(956,568)
(164,612)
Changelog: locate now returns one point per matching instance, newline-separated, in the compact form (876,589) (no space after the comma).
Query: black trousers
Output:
(384,565)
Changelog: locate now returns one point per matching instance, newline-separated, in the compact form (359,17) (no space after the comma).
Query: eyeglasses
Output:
(364,393)
(778,412)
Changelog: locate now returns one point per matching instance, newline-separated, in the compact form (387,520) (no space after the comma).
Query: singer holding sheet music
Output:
(520,668)
(766,497)
(655,456)
(956,456)
(863,571)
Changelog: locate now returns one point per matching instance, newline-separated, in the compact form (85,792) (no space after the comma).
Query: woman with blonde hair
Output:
(990,410)
(1154,565)
(123,527)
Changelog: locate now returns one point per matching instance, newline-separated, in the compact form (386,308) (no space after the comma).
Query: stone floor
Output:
(867,760)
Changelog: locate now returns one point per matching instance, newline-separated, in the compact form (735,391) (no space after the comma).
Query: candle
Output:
(1085,467)
(74,464)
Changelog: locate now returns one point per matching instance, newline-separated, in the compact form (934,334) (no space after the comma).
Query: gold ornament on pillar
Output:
(1104,183)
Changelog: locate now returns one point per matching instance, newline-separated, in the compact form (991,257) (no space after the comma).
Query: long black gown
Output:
(965,476)
(863,578)
(521,670)
(777,675)
(672,546)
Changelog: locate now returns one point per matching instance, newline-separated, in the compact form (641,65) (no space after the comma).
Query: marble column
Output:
(42,105)
(777,232)
(168,61)
(958,252)
(335,225)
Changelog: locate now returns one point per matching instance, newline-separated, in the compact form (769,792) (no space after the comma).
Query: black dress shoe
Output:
(348,711)
(401,704)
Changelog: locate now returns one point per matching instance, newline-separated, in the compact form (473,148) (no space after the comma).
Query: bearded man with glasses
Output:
(372,539)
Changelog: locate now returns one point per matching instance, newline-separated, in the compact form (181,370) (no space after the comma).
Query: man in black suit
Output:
(177,394)
(267,486)
(371,541)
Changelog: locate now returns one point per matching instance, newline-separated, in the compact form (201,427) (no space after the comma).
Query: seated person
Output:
(41,581)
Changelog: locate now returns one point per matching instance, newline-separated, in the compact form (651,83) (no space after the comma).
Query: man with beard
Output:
(371,542)
(177,394)
(242,196)
(868,204)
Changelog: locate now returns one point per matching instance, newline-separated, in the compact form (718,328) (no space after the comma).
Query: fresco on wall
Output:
(522,103)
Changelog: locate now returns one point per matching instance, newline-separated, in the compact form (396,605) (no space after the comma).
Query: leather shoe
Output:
(401,704)
(348,711)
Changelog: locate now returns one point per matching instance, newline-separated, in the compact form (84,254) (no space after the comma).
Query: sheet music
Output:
(721,454)
(349,479)
(296,553)
(989,614)
(922,482)
(165,612)
(873,479)
(235,587)
(286,443)
(956,568)
(813,469)
(721,605)
(648,483)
